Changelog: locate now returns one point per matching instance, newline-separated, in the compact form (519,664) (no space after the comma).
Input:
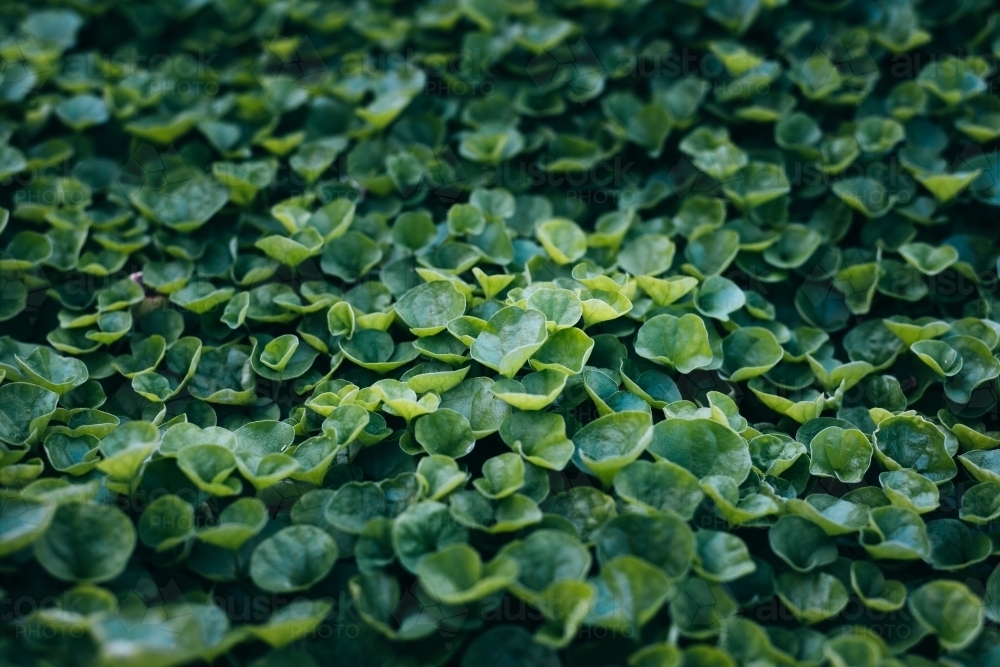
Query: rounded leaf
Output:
(681,342)
(949,610)
(293,559)
(445,432)
(86,542)
(428,308)
(562,239)
(609,443)
(749,352)
(801,543)
(702,446)
(842,453)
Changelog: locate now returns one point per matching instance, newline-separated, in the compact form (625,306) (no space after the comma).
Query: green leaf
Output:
(473,510)
(978,367)
(895,533)
(259,451)
(445,432)
(474,400)
(456,575)
(414,230)
(376,351)
(465,219)
(812,597)
(648,255)
(629,594)
(26,250)
(929,260)
(183,207)
(508,645)
(835,515)
(545,557)
(877,592)
(773,454)
(299,618)
(701,608)
(663,540)
(906,488)
(126,448)
(659,486)
(166,523)
(423,529)
(22,522)
(25,410)
(566,351)
(942,358)
(292,250)
(237,524)
(955,546)
(910,442)
(86,542)
(435,376)
(510,338)
(562,307)
(603,306)
(201,297)
(82,111)
(794,247)
(737,511)
(711,253)
(649,128)
(611,442)
(47,369)
(245,179)
(718,297)
(865,195)
(666,291)
(441,475)
(562,239)
(949,610)
(842,453)
(293,559)
(757,184)
(749,352)
(801,543)
(540,437)
(503,475)
(351,257)
(722,557)
(702,446)
(951,79)
(225,375)
(76,455)
(981,503)
(681,342)
(797,132)
(428,308)
(314,157)
(535,391)
(878,135)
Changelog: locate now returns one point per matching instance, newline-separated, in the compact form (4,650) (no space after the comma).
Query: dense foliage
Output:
(499,332)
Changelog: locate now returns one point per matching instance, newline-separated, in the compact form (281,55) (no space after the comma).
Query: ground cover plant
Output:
(499,332)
